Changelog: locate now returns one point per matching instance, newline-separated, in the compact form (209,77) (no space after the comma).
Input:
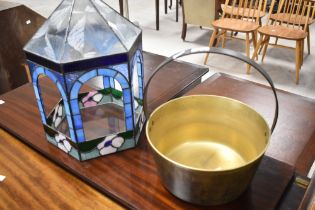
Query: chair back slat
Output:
(226,4)
(271,9)
(302,14)
(244,8)
(259,9)
(249,10)
(292,13)
(310,5)
(264,6)
(295,7)
(233,8)
(240,6)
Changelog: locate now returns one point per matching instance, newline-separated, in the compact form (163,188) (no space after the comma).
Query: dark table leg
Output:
(121,7)
(157,11)
(165,6)
(176,10)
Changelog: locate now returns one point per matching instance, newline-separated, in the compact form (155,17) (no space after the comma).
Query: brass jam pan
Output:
(207,148)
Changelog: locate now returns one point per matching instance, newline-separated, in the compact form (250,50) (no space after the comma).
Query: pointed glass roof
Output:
(82,29)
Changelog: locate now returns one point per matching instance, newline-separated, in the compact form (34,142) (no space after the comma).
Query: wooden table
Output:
(34,182)
(293,140)
(157,11)
(53,187)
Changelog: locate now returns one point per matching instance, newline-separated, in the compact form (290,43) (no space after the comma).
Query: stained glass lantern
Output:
(85,40)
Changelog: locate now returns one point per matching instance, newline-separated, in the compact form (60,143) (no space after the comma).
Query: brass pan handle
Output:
(221,51)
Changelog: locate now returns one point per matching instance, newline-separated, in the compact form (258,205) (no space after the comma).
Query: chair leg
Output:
(265,48)
(297,61)
(302,52)
(254,38)
(261,47)
(276,42)
(247,52)
(165,6)
(176,10)
(184,30)
(214,34)
(255,54)
(216,44)
(223,39)
(308,39)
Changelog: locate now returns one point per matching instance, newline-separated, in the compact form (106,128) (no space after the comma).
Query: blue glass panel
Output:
(51,75)
(77,121)
(140,94)
(40,107)
(75,90)
(139,68)
(72,134)
(106,82)
(41,111)
(129,124)
(62,92)
(36,91)
(31,66)
(88,75)
(60,78)
(127,97)
(69,121)
(122,81)
(71,78)
(38,71)
(75,107)
(112,82)
(43,117)
(140,81)
(128,110)
(107,72)
(122,68)
(66,105)
(80,135)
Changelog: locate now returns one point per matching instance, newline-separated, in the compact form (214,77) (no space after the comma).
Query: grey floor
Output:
(279,62)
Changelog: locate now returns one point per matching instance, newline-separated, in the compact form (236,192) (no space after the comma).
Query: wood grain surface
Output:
(130,177)
(175,79)
(293,140)
(33,182)
(18,24)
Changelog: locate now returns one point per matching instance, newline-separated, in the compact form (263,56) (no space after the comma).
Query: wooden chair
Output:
(285,17)
(247,12)
(292,27)
(238,22)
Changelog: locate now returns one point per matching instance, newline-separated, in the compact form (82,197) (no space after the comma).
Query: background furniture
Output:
(290,26)
(246,12)
(286,17)
(17,24)
(200,13)
(245,19)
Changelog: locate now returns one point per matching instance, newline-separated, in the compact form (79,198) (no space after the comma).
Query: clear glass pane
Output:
(48,41)
(82,29)
(89,35)
(125,30)
(102,111)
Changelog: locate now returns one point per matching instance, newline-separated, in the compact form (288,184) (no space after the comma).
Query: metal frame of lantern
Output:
(70,77)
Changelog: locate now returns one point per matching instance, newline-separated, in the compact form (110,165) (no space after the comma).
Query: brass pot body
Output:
(207,148)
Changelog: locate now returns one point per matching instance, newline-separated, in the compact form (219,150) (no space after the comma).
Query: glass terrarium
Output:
(85,42)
